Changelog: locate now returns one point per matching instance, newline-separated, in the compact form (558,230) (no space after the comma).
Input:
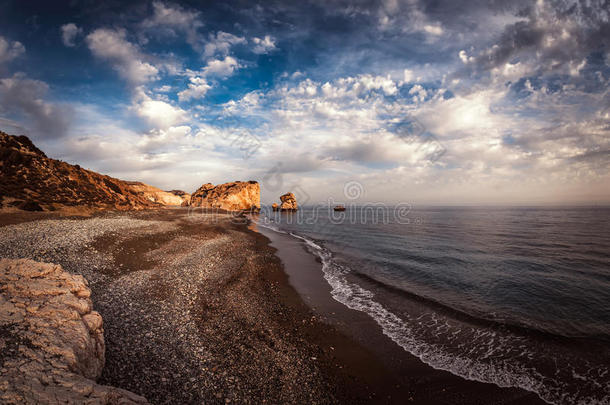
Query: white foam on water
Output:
(488,349)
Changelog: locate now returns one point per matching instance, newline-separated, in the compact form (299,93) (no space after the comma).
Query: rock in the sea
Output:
(235,196)
(275,207)
(289,202)
(51,340)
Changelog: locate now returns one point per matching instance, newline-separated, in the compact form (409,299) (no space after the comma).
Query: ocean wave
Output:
(486,355)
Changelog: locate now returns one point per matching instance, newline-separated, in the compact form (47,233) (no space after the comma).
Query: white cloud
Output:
(157,113)
(164,89)
(197,88)
(69,32)
(125,57)
(408,76)
(434,29)
(10,50)
(221,67)
(263,45)
(221,43)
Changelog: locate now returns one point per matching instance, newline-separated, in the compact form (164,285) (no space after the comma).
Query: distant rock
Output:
(186,197)
(289,202)
(51,340)
(29,180)
(235,196)
(275,207)
(156,195)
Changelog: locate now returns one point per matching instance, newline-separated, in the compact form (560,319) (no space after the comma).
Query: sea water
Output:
(512,296)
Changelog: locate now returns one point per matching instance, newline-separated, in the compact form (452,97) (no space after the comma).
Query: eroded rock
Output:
(289,202)
(234,196)
(51,340)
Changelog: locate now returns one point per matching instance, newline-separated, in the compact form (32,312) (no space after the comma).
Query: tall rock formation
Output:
(51,340)
(234,196)
(289,202)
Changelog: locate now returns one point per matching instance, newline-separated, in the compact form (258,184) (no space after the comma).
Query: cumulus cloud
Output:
(221,67)
(25,97)
(157,113)
(126,58)
(221,43)
(10,50)
(69,32)
(263,45)
(197,88)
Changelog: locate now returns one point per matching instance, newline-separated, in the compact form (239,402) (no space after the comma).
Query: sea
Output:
(515,296)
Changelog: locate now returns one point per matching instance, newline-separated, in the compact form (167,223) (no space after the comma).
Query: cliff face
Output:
(30,180)
(156,195)
(51,340)
(235,196)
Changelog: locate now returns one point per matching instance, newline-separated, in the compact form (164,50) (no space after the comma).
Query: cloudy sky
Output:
(440,102)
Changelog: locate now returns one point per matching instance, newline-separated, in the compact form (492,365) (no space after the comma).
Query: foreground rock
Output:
(235,196)
(289,202)
(31,181)
(156,195)
(51,341)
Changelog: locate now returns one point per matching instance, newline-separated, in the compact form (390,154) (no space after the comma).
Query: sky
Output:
(444,102)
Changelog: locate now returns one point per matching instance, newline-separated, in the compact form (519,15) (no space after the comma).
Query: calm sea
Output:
(512,296)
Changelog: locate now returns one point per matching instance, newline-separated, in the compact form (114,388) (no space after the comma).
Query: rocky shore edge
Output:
(51,339)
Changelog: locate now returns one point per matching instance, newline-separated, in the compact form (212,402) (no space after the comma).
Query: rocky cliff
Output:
(30,180)
(156,195)
(289,202)
(235,196)
(51,340)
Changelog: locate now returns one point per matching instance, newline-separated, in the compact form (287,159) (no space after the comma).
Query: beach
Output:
(203,307)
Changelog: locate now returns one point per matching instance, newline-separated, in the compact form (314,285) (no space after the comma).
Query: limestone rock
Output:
(289,202)
(156,195)
(186,197)
(51,341)
(235,196)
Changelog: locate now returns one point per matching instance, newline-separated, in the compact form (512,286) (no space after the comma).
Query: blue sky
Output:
(443,102)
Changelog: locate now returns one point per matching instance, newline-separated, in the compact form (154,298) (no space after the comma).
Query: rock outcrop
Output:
(235,196)
(29,180)
(275,207)
(156,195)
(289,202)
(186,197)
(51,340)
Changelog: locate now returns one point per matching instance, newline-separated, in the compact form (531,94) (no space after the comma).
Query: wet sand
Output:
(201,309)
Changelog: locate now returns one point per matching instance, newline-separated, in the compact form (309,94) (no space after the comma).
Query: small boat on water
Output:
(339,208)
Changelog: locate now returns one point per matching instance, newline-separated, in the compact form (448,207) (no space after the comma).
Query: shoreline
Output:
(198,308)
(413,380)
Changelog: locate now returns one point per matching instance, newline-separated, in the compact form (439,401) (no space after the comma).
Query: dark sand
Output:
(201,309)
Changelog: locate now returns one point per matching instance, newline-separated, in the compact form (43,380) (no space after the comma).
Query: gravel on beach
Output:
(194,306)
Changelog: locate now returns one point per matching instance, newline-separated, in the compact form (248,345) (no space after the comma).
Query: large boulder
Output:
(51,340)
(235,196)
(289,202)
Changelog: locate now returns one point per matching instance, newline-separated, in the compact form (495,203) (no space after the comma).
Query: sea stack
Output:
(289,202)
(234,196)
